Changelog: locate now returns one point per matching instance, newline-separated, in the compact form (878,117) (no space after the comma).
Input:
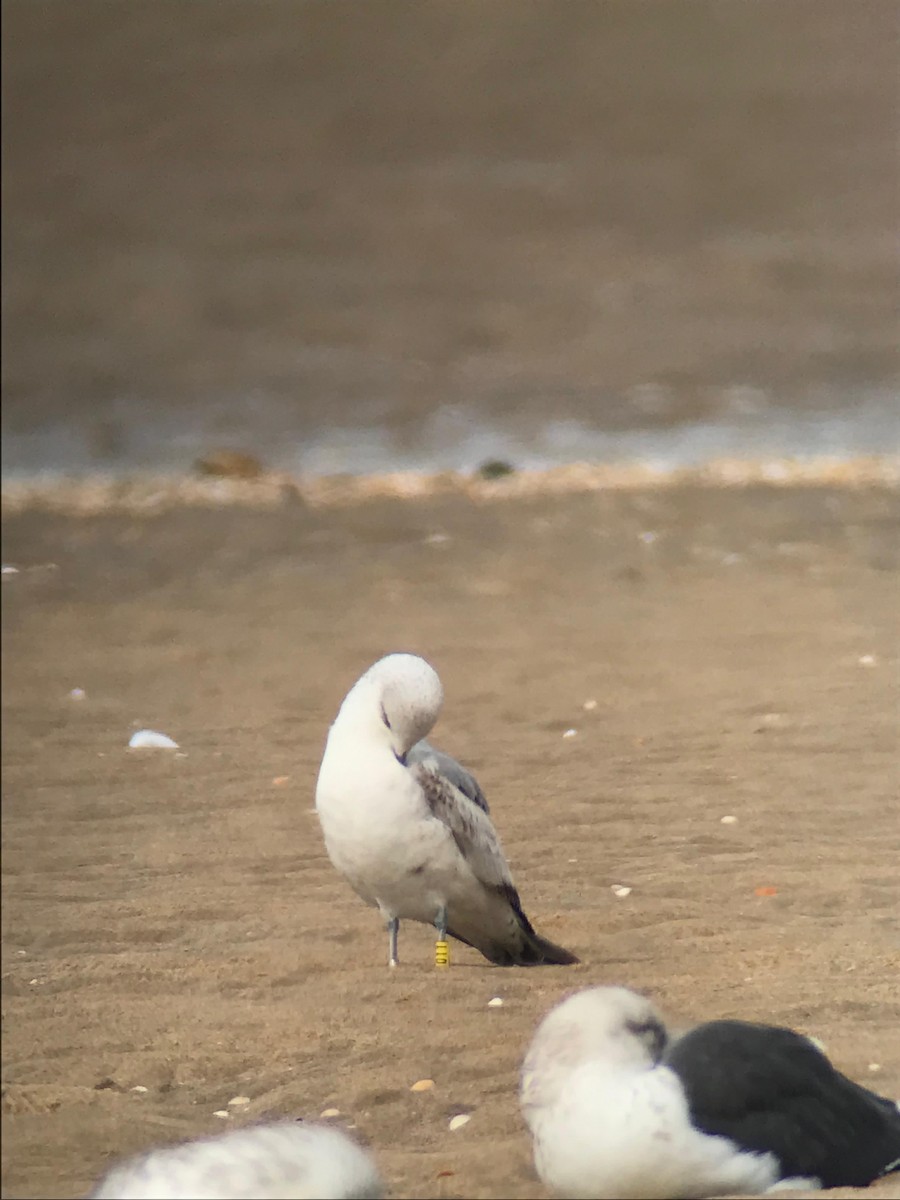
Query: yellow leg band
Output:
(441,954)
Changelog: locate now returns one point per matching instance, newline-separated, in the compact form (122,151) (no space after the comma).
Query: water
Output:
(424,237)
(744,424)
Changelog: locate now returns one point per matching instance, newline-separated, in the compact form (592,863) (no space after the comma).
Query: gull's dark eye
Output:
(384,717)
(651,1033)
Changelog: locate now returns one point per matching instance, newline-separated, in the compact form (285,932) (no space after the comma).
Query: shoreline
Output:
(151,493)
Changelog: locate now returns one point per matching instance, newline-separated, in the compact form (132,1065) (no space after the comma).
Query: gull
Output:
(617,1108)
(288,1160)
(409,828)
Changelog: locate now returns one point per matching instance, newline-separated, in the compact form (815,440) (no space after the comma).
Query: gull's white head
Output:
(610,1026)
(397,700)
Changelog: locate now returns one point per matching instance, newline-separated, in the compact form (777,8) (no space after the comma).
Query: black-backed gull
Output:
(617,1108)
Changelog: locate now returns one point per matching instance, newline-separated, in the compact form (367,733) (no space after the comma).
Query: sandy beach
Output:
(174,935)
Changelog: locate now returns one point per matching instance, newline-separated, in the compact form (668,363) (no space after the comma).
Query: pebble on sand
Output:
(495,468)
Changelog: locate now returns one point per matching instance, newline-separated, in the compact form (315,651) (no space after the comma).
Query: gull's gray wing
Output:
(491,919)
(440,763)
(493,922)
(465,818)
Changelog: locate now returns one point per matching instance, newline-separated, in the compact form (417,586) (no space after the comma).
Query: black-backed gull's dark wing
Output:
(442,764)
(771,1089)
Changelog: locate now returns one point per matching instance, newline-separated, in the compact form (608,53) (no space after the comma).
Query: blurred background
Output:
(422,233)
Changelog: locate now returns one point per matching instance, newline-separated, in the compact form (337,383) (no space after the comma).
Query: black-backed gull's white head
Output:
(611,1025)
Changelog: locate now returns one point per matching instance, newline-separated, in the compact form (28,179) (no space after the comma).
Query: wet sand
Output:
(171,923)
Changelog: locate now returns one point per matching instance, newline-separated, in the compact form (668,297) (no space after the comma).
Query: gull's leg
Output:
(441,948)
(393,927)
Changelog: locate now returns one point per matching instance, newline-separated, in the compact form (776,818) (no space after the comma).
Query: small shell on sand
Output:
(422,1085)
(327,1113)
(771,719)
(495,1003)
(222,1113)
(149,739)
(459,1120)
(570,733)
(238,1101)
(729,820)
(620,890)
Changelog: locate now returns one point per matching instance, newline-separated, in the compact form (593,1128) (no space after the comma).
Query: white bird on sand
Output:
(289,1160)
(617,1109)
(409,828)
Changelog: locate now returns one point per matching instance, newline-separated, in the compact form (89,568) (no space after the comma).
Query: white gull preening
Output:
(408,827)
(289,1160)
(616,1108)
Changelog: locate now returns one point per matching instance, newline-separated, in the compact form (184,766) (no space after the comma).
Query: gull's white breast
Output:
(626,1134)
(379,832)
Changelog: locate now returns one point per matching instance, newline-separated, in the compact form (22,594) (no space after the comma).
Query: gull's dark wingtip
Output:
(515,944)
(532,951)
(543,953)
